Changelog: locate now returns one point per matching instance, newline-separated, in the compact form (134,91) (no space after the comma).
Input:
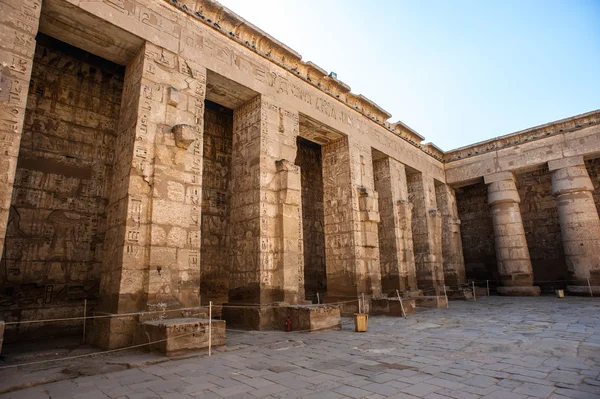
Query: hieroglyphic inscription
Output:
(216,203)
(58,214)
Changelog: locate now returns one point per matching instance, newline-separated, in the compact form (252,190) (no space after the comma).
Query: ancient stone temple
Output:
(166,154)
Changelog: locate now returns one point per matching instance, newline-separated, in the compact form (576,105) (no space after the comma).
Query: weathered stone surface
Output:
(178,336)
(184,134)
(218,166)
(215,252)
(514,264)
(427,233)
(273,317)
(452,248)
(579,222)
(58,212)
(395,230)
(391,307)
(351,219)
(309,160)
(431,301)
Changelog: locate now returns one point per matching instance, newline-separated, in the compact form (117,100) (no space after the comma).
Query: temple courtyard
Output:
(495,347)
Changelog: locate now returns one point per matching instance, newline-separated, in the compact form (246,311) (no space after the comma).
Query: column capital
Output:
(565,162)
(499,176)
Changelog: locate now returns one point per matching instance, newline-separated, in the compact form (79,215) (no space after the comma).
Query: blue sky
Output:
(457,72)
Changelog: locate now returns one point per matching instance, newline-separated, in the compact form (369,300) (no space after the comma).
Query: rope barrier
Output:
(143,313)
(227,330)
(437,291)
(96,353)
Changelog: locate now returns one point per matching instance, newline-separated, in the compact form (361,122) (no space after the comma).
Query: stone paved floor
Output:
(495,348)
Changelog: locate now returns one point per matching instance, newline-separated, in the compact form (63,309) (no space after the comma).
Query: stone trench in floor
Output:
(496,347)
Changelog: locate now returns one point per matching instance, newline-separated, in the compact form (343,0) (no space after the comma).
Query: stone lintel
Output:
(565,162)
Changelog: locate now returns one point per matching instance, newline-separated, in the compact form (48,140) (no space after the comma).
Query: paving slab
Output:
(495,348)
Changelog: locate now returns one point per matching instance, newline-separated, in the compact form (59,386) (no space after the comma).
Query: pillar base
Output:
(583,290)
(461,294)
(523,290)
(180,336)
(347,306)
(111,332)
(391,307)
(411,294)
(432,301)
(274,316)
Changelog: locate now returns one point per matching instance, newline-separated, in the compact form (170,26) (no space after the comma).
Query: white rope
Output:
(95,353)
(143,313)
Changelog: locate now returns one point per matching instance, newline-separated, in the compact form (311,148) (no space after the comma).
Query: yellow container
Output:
(361,321)
(560,293)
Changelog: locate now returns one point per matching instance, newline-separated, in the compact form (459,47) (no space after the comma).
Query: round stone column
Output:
(579,223)
(512,253)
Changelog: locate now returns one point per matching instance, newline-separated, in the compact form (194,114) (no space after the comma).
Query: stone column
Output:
(351,218)
(290,229)
(151,254)
(512,253)
(18,28)
(427,234)
(579,222)
(395,233)
(266,229)
(454,262)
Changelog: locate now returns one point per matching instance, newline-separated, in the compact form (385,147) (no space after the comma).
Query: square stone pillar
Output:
(452,252)
(290,228)
(514,264)
(351,219)
(579,223)
(427,233)
(266,222)
(18,28)
(395,229)
(152,240)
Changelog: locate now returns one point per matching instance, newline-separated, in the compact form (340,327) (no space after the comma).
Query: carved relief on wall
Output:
(216,203)
(52,252)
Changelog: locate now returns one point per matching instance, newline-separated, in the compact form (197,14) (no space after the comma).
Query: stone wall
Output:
(427,233)
(477,232)
(216,204)
(311,169)
(53,253)
(542,228)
